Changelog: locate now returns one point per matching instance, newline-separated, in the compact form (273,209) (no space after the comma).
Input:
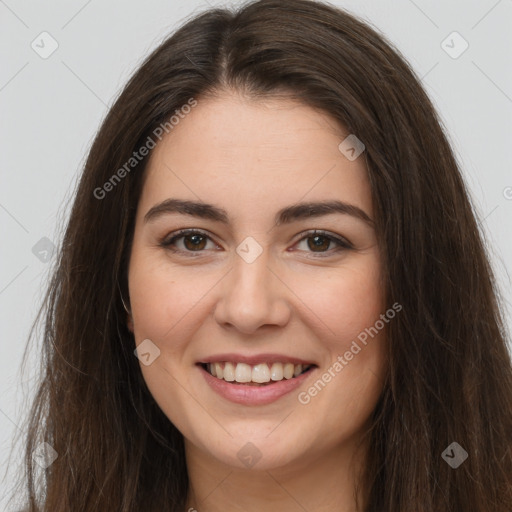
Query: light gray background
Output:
(52,108)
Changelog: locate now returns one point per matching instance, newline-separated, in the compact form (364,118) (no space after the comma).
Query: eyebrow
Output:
(284,216)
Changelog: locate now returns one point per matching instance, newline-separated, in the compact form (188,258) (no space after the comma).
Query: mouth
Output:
(257,379)
(260,374)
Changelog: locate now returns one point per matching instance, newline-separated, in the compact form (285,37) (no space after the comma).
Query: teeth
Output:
(229,372)
(243,373)
(276,372)
(259,373)
(288,370)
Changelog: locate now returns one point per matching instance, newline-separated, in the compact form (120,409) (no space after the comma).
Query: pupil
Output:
(195,239)
(317,241)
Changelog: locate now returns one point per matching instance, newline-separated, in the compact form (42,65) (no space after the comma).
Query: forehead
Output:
(273,129)
(254,155)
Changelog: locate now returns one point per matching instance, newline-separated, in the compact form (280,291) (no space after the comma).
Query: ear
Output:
(129,322)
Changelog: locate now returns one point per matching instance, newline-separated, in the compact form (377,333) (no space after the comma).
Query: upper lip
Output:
(254,359)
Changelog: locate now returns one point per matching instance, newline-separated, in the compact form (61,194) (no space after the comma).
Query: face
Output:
(251,292)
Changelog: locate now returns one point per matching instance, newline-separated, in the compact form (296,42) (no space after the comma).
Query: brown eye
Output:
(319,242)
(193,241)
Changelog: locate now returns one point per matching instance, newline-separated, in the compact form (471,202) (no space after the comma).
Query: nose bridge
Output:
(251,296)
(252,275)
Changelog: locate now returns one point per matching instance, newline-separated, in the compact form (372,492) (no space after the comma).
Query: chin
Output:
(255,450)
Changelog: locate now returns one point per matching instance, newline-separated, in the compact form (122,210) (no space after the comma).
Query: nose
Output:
(252,295)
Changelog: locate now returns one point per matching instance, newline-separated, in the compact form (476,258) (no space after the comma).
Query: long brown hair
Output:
(450,372)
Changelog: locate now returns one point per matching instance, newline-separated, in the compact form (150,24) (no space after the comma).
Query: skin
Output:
(252,158)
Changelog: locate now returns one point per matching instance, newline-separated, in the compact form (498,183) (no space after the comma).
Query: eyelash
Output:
(168,243)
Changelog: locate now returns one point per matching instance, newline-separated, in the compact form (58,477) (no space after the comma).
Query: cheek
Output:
(350,304)
(162,295)
(347,301)
(164,301)
(348,385)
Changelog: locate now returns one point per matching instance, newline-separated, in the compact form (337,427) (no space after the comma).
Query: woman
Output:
(335,342)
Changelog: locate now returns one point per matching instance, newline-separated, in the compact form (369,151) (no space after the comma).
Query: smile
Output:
(254,380)
(258,374)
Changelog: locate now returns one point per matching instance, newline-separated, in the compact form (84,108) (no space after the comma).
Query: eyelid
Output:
(336,238)
(342,243)
(180,233)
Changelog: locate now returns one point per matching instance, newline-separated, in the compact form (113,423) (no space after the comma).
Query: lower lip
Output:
(254,395)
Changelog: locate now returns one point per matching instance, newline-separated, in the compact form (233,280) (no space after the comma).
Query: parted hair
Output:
(450,374)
